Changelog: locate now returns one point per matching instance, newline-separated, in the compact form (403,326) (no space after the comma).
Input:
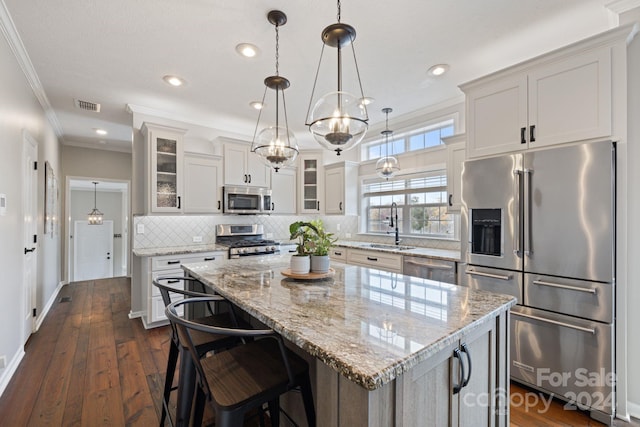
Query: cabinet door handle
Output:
(465,350)
(245,178)
(173,262)
(458,387)
(450,199)
(523,131)
(249,178)
(210,258)
(218,204)
(340,206)
(179,201)
(318,205)
(273,206)
(532,137)
(370,258)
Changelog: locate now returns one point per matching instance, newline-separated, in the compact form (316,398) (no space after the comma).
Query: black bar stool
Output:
(203,343)
(244,377)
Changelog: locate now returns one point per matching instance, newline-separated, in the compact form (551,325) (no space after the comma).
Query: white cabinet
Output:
(456,152)
(202,183)
(162,266)
(242,167)
(311,179)
(375,259)
(164,167)
(551,100)
(341,188)
(283,191)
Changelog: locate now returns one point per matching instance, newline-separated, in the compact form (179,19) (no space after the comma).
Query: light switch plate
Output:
(140,229)
(197,239)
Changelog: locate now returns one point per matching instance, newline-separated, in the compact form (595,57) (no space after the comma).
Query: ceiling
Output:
(116,52)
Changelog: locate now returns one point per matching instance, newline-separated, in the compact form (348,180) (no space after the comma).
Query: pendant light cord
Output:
(339,10)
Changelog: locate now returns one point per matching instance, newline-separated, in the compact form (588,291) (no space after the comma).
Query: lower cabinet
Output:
(162,266)
(375,259)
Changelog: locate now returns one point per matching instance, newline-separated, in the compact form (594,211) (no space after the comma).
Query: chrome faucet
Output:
(392,224)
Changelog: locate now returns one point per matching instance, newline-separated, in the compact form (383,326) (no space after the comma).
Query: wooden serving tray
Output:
(308,276)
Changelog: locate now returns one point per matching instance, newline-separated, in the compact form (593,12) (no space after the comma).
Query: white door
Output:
(30,233)
(93,254)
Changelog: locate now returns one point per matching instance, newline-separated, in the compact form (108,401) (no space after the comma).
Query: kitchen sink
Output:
(391,247)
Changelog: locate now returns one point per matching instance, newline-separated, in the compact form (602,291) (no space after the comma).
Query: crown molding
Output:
(622,6)
(17,47)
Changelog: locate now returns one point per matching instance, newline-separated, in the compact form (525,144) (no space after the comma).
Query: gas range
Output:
(245,240)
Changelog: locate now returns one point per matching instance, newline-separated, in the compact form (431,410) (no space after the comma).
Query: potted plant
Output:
(300,261)
(321,242)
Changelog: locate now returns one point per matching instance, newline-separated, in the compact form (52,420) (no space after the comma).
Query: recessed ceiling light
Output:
(101,131)
(247,50)
(173,80)
(257,105)
(438,70)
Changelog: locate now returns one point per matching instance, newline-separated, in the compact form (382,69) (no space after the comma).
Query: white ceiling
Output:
(116,52)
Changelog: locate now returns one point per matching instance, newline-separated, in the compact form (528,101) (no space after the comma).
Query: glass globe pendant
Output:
(338,120)
(276,145)
(387,166)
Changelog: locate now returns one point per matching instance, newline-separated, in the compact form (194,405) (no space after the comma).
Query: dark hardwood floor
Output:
(90,365)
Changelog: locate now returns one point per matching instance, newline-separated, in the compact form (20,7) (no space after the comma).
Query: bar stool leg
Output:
(168,382)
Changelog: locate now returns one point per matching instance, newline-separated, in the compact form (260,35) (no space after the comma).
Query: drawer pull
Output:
(489,275)
(337,253)
(427,265)
(210,258)
(173,262)
(555,322)
(372,258)
(570,288)
(173,281)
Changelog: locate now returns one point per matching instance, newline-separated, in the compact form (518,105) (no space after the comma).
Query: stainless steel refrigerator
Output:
(541,226)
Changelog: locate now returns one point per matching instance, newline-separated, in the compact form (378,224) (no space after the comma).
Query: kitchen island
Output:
(386,349)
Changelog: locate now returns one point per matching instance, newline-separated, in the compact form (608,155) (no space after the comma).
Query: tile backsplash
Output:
(179,230)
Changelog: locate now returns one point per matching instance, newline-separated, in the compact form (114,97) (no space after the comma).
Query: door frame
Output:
(125,218)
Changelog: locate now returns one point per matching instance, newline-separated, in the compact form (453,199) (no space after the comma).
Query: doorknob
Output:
(26,251)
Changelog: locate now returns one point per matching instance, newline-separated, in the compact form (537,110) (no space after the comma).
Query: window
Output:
(421,201)
(426,137)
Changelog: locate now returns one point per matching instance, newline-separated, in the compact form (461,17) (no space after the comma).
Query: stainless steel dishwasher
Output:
(430,268)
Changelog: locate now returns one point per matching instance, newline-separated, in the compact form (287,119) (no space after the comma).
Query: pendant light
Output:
(95,216)
(388,165)
(339,119)
(276,145)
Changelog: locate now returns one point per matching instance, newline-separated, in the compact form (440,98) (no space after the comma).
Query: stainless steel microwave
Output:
(246,200)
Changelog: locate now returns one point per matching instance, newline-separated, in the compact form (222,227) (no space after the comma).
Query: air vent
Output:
(86,105)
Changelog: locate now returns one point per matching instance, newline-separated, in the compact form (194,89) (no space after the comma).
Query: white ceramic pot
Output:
(300,264)
(319,263)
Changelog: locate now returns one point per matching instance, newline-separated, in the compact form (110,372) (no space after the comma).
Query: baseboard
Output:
(633,409)
(48,305)
(136,314)
(10,370)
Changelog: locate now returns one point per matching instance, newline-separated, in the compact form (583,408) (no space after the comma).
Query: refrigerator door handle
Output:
(517,244)
(567,287)
(554,322)
(489,275)
(528,250)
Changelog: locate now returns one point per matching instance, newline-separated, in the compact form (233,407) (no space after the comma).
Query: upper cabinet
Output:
(242,167)
(283,191)
(202,183)
(341,188)
(552,100)
(311,179)
(164,166)
(456,152)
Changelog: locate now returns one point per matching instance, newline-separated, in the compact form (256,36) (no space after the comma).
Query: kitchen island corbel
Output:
(389,350)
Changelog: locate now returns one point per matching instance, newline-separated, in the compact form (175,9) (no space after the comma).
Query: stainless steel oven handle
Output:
(555,322)
(489,275)
(561,286)
(434,266)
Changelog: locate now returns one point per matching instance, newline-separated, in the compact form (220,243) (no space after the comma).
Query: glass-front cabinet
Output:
(165,167)
(311,181)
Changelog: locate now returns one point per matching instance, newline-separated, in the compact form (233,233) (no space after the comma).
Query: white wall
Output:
(20,110)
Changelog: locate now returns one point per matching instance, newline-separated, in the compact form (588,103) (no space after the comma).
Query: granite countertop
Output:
(369,325)
(443,254)
(175,250)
